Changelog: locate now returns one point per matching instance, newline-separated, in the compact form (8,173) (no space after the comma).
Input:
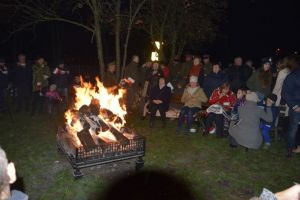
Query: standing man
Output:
(23,82)
(131,74)
(207,65)
(61,80)
(291,94)
(238,74)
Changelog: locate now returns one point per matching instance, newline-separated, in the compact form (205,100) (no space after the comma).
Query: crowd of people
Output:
(35,86)
(241,102)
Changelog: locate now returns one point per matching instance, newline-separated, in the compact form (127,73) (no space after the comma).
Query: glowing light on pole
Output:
(155,54)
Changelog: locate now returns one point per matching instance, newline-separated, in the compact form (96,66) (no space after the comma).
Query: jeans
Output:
(218,119)
(265,132)
(189,112)
(294,119)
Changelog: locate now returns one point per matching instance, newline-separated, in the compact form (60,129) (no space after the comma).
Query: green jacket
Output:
(255,85)
(39,71)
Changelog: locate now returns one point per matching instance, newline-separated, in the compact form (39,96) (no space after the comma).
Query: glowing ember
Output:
(111,112)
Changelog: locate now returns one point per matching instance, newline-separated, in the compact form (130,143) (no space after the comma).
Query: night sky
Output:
(253,29)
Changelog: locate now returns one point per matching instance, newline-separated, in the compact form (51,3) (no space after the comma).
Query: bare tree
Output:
(175,22)
(85,14)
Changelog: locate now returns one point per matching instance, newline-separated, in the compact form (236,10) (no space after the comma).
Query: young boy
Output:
(267,126)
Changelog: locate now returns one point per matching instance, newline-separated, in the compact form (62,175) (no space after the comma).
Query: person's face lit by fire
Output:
(41,61)
(206,59)
(266,66)
(197,61)
(162,82)
(112,68)
(136,59)
(225,90)
(238,61)
(216,68)
(61,65)
(22,58)
(240,94)
(155,66)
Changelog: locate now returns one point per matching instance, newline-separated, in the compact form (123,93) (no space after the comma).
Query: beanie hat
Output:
(193,79)
(265,61)
(252,96)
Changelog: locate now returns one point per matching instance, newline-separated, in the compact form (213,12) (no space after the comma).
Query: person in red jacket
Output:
(196,68)
(224,97)
(165,71)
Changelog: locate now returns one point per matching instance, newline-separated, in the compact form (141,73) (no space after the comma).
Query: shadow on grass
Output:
(148,185)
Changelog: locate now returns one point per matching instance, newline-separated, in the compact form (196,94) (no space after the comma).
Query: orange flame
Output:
(107,99)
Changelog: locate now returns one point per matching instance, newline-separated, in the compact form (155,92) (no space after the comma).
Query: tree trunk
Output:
(99,51)
(117,37)
(125,50)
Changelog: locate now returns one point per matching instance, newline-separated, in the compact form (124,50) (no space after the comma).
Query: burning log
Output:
(86,140)
(97,125)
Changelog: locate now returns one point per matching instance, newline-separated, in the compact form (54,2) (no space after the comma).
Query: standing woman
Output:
(261,80)
(40,76)
(284,71)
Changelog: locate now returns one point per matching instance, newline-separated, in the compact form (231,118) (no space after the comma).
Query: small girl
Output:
(53,99)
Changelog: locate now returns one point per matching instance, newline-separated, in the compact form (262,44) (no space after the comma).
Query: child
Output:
(266,126)
(53,99)
(241,98)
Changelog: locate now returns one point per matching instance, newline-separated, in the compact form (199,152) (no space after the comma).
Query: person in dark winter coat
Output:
(291,94)
(155,74)
(110,78)
(214,79)
(238,74)
(159,101)
(3,83)
(23,82)
(145,72)
(131,72)
(61,80)
(207,65)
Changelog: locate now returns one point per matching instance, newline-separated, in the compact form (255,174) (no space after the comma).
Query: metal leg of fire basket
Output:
(139,163)
(77,173)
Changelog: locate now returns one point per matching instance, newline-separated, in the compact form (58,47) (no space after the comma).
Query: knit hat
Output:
(193,79)
(265,61)
(252,96)
(273,97)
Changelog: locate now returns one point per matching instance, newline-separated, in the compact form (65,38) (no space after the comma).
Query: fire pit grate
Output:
(81,157)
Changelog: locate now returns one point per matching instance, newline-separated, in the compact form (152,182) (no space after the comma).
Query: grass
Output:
(209,166)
